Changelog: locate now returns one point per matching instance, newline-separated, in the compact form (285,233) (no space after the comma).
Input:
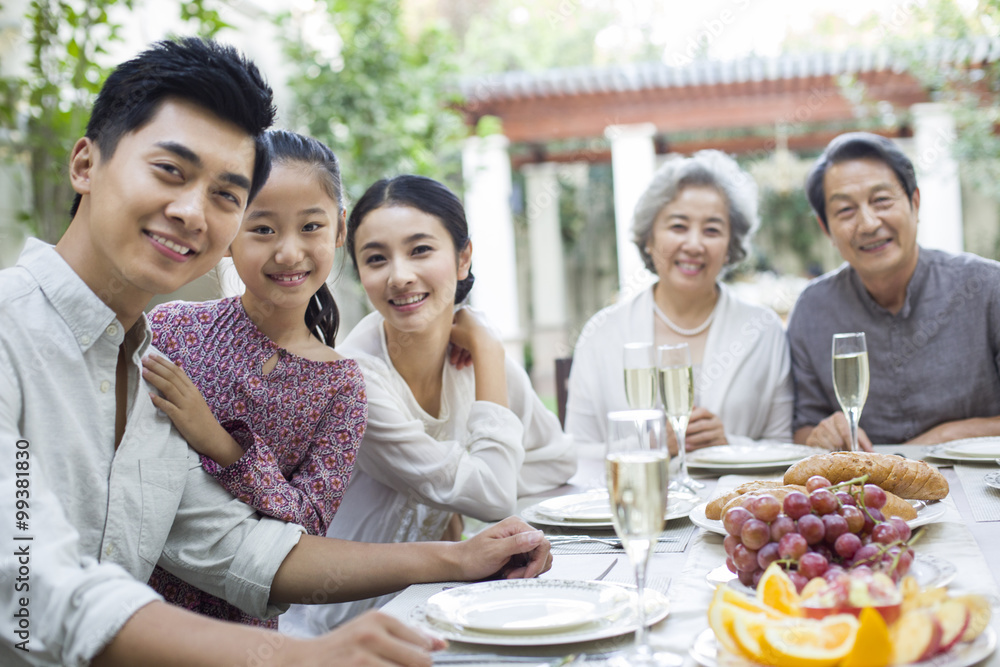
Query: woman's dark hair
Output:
(322,315)
(207,73)
(424,194)
(858,146)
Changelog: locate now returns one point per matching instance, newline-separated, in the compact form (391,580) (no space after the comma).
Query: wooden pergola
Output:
(733,106)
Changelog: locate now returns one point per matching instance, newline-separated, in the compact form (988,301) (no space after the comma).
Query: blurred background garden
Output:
(548,118)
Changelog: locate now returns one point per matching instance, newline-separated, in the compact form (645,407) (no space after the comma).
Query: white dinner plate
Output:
(973,448)
(618,620)
(929,571)
(993,479)
(593,505)
(706,648)
(773,453)
(677,508)
(926,514)
(970,450)
(530,606)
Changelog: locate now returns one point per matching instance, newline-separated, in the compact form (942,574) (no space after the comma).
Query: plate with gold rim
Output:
(609,612)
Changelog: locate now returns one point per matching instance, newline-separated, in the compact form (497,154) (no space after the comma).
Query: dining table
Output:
(965,534)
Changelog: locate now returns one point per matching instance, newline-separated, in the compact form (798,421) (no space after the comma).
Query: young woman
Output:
(443,439)
(255,385)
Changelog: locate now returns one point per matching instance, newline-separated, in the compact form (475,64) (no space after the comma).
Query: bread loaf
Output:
(904,477)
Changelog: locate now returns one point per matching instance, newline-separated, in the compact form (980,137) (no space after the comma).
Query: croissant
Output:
(904,477)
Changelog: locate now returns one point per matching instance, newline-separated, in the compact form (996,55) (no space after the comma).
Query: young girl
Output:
(441,438)
(275,413)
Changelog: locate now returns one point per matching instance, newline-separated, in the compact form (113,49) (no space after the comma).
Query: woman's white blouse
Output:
(414,470)
(744,379)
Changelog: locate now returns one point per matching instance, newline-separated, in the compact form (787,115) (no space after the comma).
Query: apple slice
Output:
(953,615)
(915,637)
(979,615)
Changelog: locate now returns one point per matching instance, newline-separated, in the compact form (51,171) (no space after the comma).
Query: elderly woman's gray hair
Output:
(705,168)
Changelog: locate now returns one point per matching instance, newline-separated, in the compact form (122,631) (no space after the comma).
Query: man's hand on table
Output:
(832,434)
(510,549)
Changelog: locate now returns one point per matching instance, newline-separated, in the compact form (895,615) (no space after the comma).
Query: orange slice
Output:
(872,647)
(809,644)
(777,591)
(721,621)
(747,630)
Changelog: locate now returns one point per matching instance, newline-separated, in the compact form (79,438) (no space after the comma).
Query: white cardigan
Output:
(745,376)
(414,470)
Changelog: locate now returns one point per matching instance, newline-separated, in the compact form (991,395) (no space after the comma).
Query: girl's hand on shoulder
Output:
(704,430)
(183,403)
(469,334)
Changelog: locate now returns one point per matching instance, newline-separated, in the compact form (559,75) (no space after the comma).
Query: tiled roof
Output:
(573,81)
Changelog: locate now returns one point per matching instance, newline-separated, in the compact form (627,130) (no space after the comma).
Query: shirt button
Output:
(105,386)
(84,340)
(111,330)
(108,550)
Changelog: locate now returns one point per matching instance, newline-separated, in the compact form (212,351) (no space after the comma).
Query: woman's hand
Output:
(487,354)
(704,430)
(469,334)
(187,409)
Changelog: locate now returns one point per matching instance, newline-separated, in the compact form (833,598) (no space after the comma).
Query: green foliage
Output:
(50,106)
(788,232)
(385,103)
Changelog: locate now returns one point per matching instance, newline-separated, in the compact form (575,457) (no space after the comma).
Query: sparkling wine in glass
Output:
(850,377)
(640,375)
(636,463)
(676,379)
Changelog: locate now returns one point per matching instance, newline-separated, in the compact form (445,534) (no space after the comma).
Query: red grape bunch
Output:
(817,534)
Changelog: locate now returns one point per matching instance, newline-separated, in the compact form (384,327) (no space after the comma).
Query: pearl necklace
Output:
(684,332)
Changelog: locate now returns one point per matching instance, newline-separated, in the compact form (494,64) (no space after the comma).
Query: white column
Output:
(486,171)
(548,288)
(632,164)
(937,177)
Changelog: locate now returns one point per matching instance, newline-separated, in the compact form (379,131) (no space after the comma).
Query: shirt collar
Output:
(913,288)
(83,311)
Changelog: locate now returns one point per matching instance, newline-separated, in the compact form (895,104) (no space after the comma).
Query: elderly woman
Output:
(694,220)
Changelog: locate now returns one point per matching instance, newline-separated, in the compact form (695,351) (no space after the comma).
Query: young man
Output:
(97,487)
(931,319)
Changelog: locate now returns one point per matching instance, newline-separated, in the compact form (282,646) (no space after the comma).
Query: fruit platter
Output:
(825,559)
(856,619)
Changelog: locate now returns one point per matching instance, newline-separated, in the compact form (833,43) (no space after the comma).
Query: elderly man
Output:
(931,319)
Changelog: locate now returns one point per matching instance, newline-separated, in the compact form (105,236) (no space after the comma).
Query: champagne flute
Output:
(640,375)
(850,377)
(636,463)
(677,394)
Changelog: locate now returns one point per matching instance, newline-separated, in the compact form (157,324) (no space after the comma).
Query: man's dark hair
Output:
(858,146)
(211,75)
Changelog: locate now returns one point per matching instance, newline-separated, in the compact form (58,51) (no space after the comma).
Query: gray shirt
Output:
(935,361)
(98,519)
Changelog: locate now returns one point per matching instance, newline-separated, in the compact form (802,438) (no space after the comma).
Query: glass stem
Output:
(682,470)
(852,419)
(642,633)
